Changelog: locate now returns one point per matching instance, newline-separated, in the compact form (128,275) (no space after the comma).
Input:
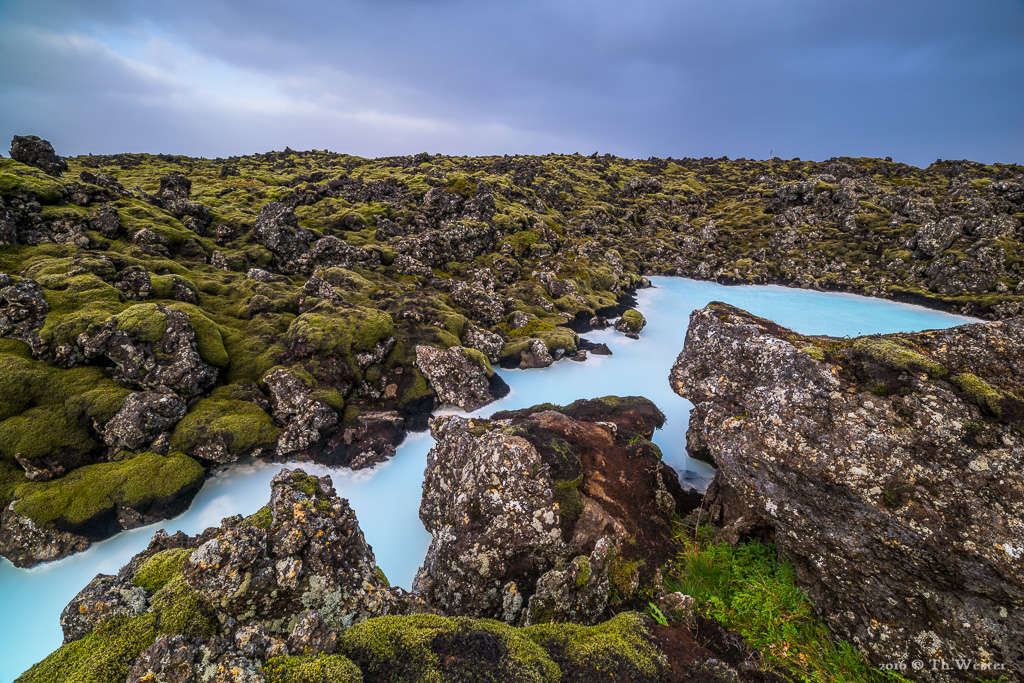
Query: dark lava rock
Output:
(535,355)
(33,151)
(134,283)
(888,470)
(278,230)
(144,418)
(304,417)
(101,599)
(23,311)
(508,501)
(172,360)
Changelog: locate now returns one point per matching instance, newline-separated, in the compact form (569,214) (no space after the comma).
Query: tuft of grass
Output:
(749,590)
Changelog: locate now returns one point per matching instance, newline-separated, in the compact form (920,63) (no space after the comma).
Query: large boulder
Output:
(304,554)
(151,346)
(145,421)
(888,470)
(33,151)
(460,376)
(278,230)
(509,500)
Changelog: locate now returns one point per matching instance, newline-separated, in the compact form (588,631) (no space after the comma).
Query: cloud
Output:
(915,80)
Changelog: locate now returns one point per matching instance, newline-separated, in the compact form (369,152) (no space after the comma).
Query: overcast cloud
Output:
(916,79)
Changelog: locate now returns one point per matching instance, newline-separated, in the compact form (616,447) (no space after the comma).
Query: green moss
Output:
(477,358)
(240,425)
(570,501)
(142,322)
(94,490)
(340,330)
(306,483)
(103,656)
(428,648)
(382,577)
(261,519)
(159,569)
(619,649)
(319,669)
(979,392)
(894,355)
(18,178)
(181,610)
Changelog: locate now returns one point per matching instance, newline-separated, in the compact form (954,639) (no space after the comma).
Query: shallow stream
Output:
(386,499)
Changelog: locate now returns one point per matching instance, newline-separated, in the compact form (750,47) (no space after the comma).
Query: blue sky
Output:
(913,79)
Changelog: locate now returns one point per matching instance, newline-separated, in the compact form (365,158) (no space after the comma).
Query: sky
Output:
(917,80)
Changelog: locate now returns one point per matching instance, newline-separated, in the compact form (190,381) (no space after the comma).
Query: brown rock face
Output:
(887,468)
(509,500)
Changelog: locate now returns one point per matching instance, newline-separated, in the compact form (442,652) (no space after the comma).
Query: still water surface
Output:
(386,499)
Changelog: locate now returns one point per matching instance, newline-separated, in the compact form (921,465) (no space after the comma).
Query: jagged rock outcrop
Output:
(278,230)
(307,554)
(33,151)
(23,311)
(152,346)
(888,470)
(508,500)
(460,376)
(145,421)
(173,195)
(305,418)
(487,343)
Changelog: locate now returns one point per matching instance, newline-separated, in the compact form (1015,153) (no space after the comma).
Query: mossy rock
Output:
(979,392)
(321,668)
(339,330)
(158,570)
(103,656)
(240,425)
(426,648)
(182,610)
(47,412)
(18,178)
(618,649)
(93,491)
(892,354)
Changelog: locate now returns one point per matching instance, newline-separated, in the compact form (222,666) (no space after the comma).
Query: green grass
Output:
(747,589)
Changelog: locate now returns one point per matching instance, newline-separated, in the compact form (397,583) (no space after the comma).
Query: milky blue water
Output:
(386,499)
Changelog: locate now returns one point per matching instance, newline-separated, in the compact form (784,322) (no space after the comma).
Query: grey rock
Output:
(23,311)
(455,376)
(488,343)
(312,556)
(535,355)
(103,597)
(170,659)
(143,418)
(897,510)
(278,230)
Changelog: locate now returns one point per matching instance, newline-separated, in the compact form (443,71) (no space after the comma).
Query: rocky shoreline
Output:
(537,536)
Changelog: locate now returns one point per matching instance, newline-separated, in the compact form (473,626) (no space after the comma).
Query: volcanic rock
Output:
(886,468)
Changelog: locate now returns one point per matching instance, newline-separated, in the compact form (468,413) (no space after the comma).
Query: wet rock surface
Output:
(886,468)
